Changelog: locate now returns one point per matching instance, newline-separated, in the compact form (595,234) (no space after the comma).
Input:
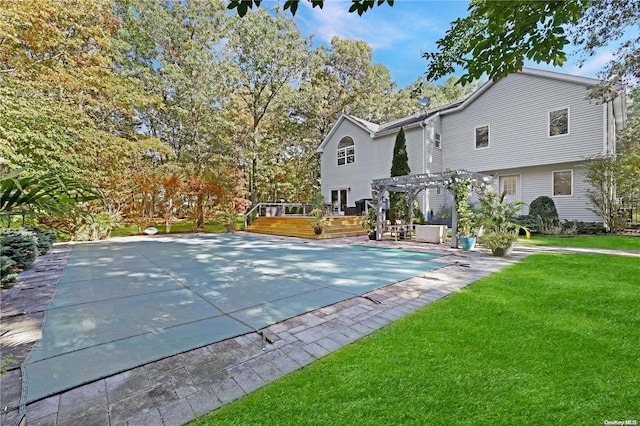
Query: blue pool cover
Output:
(120,304)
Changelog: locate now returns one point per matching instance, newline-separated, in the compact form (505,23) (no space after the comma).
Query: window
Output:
(482,137)
(563,183)
(346,151)
(437,140)
(509,185)
(559,122)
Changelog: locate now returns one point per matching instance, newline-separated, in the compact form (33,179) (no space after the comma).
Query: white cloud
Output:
(594,65)
(381,28)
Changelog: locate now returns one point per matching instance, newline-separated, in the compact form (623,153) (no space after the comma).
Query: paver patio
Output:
(177,388)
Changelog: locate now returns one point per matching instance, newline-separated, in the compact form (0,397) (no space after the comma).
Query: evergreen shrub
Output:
(583,227)
(20,244)
(530,222)
(544,207)
(8,271)
(46,238)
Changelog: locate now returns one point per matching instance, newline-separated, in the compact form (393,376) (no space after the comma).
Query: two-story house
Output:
(531,131)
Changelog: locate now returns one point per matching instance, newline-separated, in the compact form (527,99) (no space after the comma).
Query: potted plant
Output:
(370,222)
(496,216)
(318,220)
(466,219)
(318,213)
(228,216)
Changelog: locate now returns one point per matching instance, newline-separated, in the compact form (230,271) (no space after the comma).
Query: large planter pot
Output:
(467,243)
(372,235)
(503,251)
(317,230)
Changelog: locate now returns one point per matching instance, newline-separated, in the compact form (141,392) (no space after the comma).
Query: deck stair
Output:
(302,226)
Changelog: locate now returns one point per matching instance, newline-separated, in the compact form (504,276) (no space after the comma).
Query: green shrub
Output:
(564,227)
(46,238)
(530,222)
(498,240)
(97,227)
(20,245)
(544,210)
(582,227)
(418,216)
(6,363)
(544,207)
(8,271)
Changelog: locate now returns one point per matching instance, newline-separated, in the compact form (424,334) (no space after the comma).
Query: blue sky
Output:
(398,35)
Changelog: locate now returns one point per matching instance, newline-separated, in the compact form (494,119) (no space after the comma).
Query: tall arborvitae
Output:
(398,201)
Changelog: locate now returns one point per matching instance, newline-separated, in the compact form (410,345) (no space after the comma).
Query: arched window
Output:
(346,151)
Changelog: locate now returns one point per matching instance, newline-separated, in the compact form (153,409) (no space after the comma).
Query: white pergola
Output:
(414,184)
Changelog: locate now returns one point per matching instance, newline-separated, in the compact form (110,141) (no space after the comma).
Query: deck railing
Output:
(630,211)
(278,209)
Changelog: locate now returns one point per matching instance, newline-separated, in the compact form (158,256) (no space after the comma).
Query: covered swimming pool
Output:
(122,304)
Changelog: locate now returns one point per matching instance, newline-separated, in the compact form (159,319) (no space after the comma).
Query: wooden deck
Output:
(302,226)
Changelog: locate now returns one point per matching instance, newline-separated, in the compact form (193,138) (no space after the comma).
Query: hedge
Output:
(8,271)
(20,245)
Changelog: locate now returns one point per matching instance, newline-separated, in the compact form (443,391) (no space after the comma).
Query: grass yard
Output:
(614,242)
(176,228)
(554,339)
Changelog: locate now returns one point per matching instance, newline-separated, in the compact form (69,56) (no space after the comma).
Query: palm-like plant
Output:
(495,214)
(25,193)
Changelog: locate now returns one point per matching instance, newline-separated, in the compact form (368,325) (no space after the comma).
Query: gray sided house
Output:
(531,131)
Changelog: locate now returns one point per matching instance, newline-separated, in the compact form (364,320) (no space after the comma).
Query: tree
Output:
(615,178)
(187,72)
(177,48)
(496,38)
(343,79)
(441,94)
(66,107)
(602,174)
(268,53)
(359,6)
(398,201)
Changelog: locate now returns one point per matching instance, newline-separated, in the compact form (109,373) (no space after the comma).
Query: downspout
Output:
(605,129)
(425,204)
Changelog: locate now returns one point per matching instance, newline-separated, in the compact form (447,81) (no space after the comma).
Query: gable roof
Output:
(619,103)
(376,130)
(414,119)
(585,81)
(365,125)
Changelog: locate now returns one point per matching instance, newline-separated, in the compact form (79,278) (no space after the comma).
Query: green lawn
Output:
(620,242)
(553,339)
(176,228)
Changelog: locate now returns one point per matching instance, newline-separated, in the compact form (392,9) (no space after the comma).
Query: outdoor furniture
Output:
(401,230)
(431,233)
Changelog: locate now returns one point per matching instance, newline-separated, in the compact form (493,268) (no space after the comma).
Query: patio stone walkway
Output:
(176,389)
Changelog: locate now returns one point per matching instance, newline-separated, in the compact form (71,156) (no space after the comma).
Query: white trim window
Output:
(509,185)
(436,141)
(482,137)
(558,122)
(562,183)
(346,151)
